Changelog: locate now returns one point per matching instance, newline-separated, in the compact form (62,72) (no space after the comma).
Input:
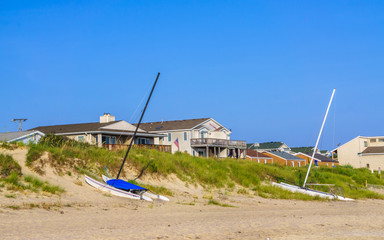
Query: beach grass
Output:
(70,155)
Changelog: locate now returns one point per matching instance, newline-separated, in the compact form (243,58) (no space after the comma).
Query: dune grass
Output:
(8,165)
(208,172)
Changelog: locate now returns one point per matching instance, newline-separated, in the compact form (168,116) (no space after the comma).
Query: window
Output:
(265,161)
(365,144)
(169,137)
(381,139)
(204,134)
(113,140)
(298,164)
(185,136)
(367,165)
(372,140)
(80,138)
(142,141)
(293,164)
(258,160)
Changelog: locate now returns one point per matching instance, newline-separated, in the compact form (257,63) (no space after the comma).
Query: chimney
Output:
(107,118)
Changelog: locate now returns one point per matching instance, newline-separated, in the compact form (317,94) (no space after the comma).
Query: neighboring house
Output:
(198,137)
(108,132)
(362,152)
(303,149)
(269,146)
(318,159)
(325,153)
(31,136)
(285,159)
(258,157)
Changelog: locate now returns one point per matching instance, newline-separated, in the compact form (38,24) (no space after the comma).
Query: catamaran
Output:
(304,189)
(123,188)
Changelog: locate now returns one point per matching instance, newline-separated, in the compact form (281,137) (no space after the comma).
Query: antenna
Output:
(20,120)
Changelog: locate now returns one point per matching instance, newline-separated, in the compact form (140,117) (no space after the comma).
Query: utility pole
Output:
(20,120)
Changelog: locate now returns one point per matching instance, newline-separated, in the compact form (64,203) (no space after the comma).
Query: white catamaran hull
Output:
(147,194)
(311,192)
(114,191)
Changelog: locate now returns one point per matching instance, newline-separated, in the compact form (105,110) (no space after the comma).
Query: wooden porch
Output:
(161,148)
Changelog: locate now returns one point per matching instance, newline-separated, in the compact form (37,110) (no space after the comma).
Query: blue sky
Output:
(264,69)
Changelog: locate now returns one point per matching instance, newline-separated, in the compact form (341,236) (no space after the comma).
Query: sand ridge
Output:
(85,213)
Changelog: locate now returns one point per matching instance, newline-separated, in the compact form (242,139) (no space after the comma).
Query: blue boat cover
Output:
(121,184)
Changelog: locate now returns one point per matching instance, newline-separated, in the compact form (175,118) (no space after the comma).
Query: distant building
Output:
(285,159)
(204,137)
(309,149)
(318,159)
(269,146)
(31,136)
(258,157)
(362,152)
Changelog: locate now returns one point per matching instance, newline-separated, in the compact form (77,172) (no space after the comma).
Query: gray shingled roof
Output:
(287,156)
(320,157)
(171,125)
(69,128)
(10,136)
(373,150)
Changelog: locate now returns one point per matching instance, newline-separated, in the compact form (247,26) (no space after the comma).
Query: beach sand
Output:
(85,213)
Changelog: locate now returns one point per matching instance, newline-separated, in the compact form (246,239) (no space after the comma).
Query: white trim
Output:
(24,136)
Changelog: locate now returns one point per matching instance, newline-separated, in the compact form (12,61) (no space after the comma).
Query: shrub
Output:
(8,165)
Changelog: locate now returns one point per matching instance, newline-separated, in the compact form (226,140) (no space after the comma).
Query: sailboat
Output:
(123,188)
(304,189)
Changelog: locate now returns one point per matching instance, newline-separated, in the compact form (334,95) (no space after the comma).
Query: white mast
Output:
(318,138)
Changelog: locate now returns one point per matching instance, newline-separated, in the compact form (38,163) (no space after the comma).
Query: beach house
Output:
(285,159)
(199,137)
(318,159)
(105,133)
(269,146)
(258,157)
(31,136)
(362,152)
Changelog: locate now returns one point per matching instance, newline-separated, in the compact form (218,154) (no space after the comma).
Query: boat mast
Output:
(138,125)
(318,138)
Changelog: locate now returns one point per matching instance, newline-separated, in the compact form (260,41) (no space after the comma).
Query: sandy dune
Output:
(84,213)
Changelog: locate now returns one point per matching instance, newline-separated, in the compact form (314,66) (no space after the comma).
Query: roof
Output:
(302,149)
(266,145)
(369,150)
(10,136)
(172,125)
(286,156)
(67,128)
(320,157)
(255,154)
(114,126)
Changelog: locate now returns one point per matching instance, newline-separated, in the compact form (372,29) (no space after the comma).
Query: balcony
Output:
(214,142)
(161,148)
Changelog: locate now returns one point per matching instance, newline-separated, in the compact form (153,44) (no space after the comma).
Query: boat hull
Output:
(311,192)
(147,194)
(114,191)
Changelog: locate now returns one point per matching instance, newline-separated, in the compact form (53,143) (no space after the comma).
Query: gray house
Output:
(30,136)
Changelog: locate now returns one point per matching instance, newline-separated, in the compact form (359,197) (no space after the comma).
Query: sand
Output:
(85,213)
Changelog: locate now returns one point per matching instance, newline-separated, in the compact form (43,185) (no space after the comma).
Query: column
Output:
(99,140)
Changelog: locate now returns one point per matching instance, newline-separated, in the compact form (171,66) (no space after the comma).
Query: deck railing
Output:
(161,148)
(215,142)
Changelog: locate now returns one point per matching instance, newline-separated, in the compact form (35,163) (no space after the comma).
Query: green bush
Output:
(8,165)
